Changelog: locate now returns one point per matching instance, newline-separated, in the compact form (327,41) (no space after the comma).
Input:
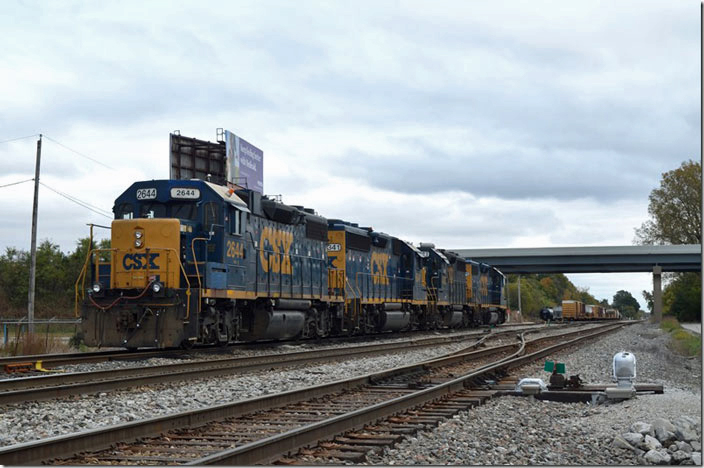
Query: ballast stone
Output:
(658,457)
(651,443)
(684,446)
(633,438)
(620,442)
(686,434)
(642,428)
(680,456)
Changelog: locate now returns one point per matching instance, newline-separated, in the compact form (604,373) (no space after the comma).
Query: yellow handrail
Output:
(195,263)
(82,277)
(79,294)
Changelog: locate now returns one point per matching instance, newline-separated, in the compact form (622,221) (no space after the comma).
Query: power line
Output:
(19,138)
(16,183)
(78,152)
(77,201)
(74,198)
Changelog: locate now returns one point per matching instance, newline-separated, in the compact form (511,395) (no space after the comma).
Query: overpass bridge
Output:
(607,259)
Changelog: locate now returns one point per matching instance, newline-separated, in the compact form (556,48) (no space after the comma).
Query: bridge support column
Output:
(520,312)
(657,293)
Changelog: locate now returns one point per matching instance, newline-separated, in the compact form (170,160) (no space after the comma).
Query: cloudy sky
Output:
(470,124)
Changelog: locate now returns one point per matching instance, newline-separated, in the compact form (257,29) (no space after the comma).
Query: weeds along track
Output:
(48,386)
(63,359)
(264,429)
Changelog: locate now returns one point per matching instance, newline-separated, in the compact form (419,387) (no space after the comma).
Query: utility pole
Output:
(33,265)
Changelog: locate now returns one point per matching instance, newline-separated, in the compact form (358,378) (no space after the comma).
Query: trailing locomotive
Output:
(195,262)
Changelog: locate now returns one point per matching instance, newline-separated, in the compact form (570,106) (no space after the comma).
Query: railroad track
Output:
(262,430)
(49,361)
(43,387)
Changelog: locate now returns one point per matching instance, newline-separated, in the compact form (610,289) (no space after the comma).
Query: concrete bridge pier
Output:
(657,293)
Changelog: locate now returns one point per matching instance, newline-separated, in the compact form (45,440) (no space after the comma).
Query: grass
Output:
(682,341)
(37,343)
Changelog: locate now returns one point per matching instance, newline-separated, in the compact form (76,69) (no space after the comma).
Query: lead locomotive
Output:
(195,262)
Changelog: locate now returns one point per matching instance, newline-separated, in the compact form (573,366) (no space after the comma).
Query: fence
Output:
(20,325)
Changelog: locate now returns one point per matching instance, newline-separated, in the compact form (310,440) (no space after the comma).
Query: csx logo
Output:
(274,253)
(140,261)
(380,261)
(484,285)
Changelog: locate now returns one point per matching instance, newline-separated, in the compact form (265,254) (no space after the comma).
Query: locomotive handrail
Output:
(195,264)
(79,292)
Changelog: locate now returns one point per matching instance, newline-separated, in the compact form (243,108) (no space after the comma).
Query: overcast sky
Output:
(470,124)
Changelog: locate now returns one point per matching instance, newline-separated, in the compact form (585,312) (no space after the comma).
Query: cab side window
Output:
(236,222)
(211,214)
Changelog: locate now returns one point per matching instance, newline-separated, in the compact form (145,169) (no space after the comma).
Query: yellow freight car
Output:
(573,310)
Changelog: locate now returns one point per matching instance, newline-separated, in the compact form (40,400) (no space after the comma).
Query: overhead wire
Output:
(16,183)
(18,138)
(78,201)
(78,152)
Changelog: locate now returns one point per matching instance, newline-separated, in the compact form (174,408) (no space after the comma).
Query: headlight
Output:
(156,287)
(138,242)
(97,287)
(138,234)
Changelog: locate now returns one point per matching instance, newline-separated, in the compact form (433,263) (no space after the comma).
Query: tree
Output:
(626,304)
(682,298)
(676,218)
(675,208)
(648,296)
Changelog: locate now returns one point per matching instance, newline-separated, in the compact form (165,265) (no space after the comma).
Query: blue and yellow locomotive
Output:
(196,262)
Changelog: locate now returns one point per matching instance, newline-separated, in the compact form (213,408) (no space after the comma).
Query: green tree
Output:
(626,304)
(675,208)
(682,298)
(57,273)
(648,296)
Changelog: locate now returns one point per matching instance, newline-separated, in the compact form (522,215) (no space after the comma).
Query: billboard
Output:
(197,159)
(245,163)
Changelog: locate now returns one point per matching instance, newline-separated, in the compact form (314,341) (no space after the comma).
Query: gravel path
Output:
(518,430)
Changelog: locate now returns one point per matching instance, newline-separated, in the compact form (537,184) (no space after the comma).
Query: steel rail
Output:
(34,452)
(57,385)
(62,359)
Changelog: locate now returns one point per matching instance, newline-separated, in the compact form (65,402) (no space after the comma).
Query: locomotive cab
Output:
(168,241)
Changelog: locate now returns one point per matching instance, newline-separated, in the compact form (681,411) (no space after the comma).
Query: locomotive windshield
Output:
(152,210)
(184,210)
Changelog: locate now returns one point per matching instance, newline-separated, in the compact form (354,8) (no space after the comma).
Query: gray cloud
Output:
(495,113)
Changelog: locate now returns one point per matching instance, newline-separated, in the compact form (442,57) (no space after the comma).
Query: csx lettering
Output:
(140,261)
(380,261)
(276,257)
(484,285)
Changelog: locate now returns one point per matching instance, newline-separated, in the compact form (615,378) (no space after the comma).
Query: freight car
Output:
(196,262)
(576,310)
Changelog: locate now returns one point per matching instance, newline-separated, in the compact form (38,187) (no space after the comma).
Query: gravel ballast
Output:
(522,430)
(34,420)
